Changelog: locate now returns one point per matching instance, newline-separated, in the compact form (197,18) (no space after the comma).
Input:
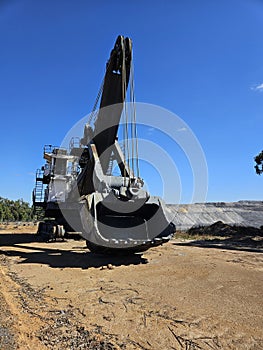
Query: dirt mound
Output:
(242,213)
(221,229)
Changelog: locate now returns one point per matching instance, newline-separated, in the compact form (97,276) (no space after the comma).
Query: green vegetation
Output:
(15,210)
(259,163)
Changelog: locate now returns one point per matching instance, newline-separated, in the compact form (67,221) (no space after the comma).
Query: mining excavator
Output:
(77,188)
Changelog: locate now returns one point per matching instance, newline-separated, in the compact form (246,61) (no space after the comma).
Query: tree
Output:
(259,163)
(18,210)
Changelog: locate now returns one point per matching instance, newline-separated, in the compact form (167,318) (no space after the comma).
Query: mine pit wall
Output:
(243,213)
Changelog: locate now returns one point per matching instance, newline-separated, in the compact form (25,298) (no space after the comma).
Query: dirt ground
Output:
(203,294)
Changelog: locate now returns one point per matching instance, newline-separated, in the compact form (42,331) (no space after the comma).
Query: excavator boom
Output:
(114,92)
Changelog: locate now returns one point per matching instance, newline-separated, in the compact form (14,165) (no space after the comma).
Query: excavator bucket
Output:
(110,225)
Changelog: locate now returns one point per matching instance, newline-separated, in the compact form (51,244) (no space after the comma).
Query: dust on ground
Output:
(188,294)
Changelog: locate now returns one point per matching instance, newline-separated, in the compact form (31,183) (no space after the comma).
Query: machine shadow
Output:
(239,243)
(60,258)
(10,239)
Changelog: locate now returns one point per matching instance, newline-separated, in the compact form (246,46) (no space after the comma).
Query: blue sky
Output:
(202,60)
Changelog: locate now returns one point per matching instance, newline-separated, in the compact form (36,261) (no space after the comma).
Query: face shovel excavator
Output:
(115,214)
